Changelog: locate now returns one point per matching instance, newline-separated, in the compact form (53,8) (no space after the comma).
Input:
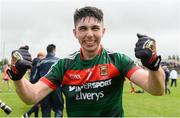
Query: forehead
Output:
(88,21)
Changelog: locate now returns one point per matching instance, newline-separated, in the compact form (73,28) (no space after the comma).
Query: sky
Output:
(38,23)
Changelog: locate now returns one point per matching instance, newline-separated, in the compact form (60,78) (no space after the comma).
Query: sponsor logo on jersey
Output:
(72,88)
(90,96)
(82,95)
(75,76)
(104,70)
(91,85)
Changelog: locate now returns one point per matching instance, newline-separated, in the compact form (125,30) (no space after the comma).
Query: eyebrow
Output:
(83,26)
(84,18)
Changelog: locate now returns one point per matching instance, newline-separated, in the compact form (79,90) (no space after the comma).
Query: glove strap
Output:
(153,63)
(14,74)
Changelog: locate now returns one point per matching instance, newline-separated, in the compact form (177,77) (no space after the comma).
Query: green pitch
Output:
(135,105)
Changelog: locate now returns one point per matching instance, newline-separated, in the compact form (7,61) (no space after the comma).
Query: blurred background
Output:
(38,23)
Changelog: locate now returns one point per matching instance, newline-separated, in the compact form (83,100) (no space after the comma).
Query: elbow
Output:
(159,92)
(28,102)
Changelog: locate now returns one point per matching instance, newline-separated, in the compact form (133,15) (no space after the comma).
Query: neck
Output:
(51,54)
(89,55)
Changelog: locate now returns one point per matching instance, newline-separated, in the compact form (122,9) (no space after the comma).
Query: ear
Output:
(74,32)
(103,31)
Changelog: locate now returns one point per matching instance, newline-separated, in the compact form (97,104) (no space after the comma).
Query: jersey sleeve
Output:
(55,75)
(126,65)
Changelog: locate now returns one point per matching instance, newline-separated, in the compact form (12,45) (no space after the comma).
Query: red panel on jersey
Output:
(96,73)
(48,82)
(131,72)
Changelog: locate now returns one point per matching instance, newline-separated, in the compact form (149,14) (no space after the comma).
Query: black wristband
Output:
(152,64)
(14,76)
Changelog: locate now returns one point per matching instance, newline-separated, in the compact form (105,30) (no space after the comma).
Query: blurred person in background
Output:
(173,76)
(33,71)
(53,101)
(167,74)
(132,87)
(5,78)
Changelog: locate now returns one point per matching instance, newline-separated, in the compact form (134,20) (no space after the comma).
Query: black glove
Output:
(146,51)
(23,62)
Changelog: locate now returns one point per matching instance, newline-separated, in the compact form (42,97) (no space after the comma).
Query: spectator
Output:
(5,77)
(132,87)
(54,100)
(173,76)
(33,72)
(167,74)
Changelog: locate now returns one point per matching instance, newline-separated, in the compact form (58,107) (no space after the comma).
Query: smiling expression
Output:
(89,32)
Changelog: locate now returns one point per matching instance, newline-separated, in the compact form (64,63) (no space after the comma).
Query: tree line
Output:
(173,57)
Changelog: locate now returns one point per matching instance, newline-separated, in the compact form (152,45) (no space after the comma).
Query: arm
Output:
(150,81)
(31,93)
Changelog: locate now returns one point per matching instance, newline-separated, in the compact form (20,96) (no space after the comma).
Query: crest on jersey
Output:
(103,70)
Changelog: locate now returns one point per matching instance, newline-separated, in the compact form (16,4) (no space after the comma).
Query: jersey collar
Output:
(99,52)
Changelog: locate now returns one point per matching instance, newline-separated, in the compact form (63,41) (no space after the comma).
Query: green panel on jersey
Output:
(90,87)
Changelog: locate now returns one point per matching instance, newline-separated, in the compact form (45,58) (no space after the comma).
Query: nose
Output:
(89,33)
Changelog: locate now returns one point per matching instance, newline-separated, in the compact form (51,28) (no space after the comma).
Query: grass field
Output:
(135,105)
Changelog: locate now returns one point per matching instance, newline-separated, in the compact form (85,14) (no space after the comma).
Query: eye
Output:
(82,28)
(95,28)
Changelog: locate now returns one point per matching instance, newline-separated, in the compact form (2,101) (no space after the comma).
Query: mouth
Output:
(90,43)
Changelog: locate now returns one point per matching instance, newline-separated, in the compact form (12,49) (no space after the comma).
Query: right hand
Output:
(21,61)
(146,51)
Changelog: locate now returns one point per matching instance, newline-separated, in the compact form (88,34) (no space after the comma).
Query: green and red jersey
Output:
(92,87)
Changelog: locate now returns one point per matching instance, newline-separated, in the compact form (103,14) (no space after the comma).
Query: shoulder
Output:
(109,52)
(69,60)
(72,56)
(117,55)
(35,61)
(48,60)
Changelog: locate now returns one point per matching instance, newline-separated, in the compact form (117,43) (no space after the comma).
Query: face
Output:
(41,57)
(89,32)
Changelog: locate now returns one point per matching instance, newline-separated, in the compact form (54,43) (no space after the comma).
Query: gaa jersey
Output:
(92,87)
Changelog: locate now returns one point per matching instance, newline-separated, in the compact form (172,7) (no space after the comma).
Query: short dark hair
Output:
(88,11)
(50,48)
(26,47)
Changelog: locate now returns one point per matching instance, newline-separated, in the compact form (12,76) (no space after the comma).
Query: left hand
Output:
(145,50)
(21,61)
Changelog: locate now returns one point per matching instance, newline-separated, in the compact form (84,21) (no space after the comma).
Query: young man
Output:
(92,78)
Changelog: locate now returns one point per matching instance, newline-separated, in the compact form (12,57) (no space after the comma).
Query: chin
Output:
(91,49)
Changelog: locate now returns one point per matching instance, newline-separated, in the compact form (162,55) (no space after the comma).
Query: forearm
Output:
(156,80)
(25,91)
